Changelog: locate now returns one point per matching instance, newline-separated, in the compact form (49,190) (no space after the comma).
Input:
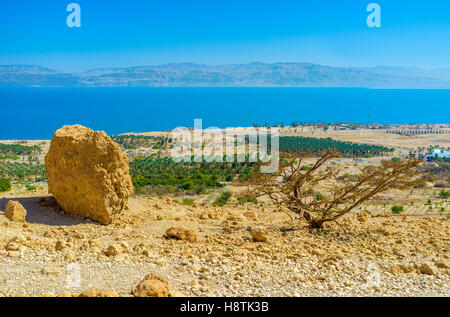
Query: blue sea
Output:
(35,113)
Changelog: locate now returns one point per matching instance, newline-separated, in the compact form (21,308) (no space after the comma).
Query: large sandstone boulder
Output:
(88,174)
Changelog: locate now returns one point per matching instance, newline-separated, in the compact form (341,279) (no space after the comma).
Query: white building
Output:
(440,154)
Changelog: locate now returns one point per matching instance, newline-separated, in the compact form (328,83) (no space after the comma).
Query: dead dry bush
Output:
(296,188)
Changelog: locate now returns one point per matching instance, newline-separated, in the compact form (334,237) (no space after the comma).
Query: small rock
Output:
(65,294)
(443,264)
(113,250)
(260,235)
(406,268)
(90,293)
(95,292)
(175,293)
(348,283)
(193,283)
(427,268)
(60,245)
(396,269)
(50,270)
(69,257)
(14,211)
(108,293)
(251,214)
(120,257)
(14,254)
(182,234)
(152,286)
(125,245)
(362,217)
(181,269)
(316,252)
(195,267)
(12,246)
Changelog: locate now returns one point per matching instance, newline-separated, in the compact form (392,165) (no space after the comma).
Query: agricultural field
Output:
(193,176)
(29,171)
(9,157)
(133,141)
(320,145)
(19,149)
(402,144)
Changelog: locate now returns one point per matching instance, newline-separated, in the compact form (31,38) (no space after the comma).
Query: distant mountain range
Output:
(238,75)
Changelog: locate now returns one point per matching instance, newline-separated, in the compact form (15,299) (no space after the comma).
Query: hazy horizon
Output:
(332,33)
(228,64)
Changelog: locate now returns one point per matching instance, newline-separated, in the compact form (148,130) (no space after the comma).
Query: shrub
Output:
(5,185)
(29,187)
(247,199)
(445,194)
(187,185)
(223,198)
(344,196)
(188,202)
(397,209)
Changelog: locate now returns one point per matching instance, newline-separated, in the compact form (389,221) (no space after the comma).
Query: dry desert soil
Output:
(376,254)
(370,252)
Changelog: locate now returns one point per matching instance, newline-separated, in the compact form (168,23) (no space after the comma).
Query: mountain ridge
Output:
(254,74)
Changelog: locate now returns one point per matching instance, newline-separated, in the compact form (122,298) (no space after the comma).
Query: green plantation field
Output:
(187,176)
(30,171)
(9,157)
(132,141)
(320,145)
(13,169)
(18,149)
(164,172)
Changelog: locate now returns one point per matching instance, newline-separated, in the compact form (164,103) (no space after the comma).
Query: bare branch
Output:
(293,186)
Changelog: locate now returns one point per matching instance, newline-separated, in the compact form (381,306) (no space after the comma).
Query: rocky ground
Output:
(250,250)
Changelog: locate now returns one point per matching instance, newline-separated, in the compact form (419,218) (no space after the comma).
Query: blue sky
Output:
(145,32)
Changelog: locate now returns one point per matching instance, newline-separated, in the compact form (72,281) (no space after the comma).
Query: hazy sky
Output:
(145,32)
